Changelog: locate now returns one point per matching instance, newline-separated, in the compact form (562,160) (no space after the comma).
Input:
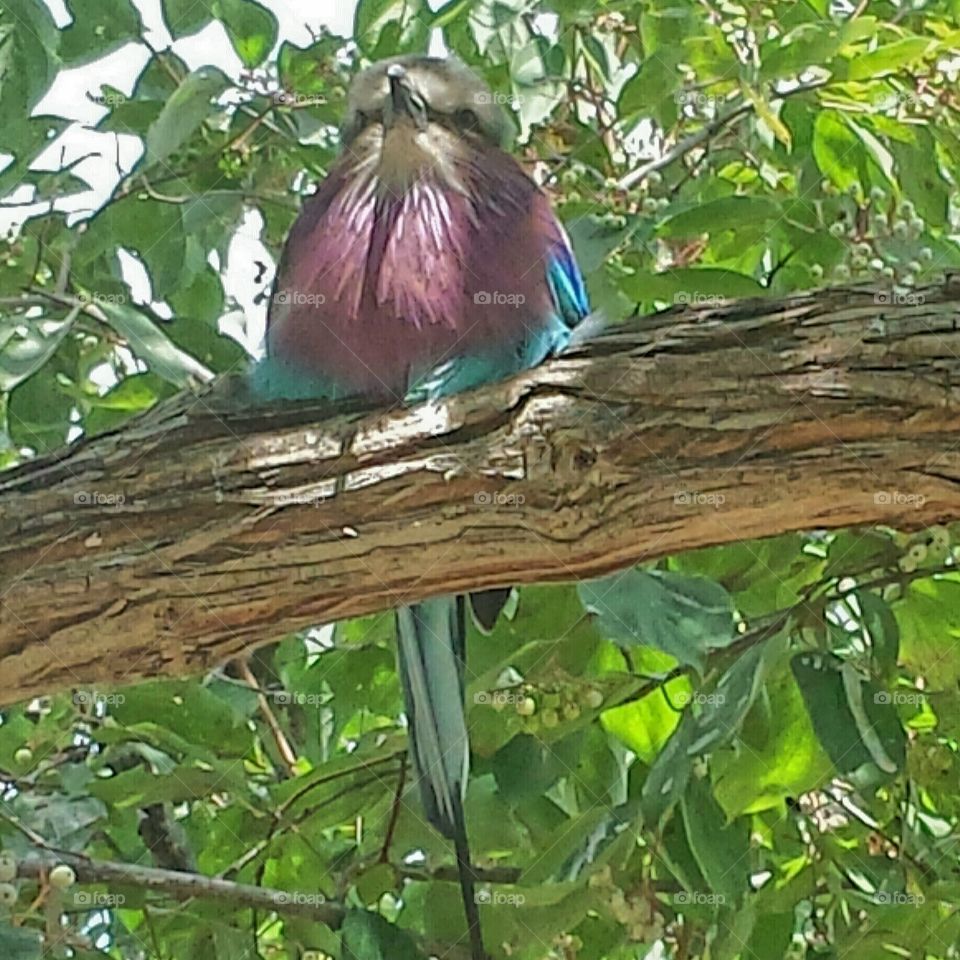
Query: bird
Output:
(426,263)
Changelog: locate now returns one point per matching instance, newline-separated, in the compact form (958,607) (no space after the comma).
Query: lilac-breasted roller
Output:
(427,262)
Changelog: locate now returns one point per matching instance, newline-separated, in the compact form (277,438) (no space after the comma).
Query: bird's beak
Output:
(401,102)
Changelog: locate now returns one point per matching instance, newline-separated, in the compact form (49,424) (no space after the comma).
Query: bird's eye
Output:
(467,120)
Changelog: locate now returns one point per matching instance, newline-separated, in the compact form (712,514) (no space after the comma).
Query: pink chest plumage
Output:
(376,288)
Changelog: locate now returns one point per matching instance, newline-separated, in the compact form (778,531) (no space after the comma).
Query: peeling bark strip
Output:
(201,529)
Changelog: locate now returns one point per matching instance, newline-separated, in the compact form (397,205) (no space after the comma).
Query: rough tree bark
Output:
(202,529)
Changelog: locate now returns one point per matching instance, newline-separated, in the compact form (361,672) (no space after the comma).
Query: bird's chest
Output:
(402,281)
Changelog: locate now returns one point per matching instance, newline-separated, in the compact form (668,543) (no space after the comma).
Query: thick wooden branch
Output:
(200,530)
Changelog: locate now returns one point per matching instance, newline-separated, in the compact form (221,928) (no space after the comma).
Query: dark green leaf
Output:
(99,27)
(721,849)
(367,936)
(683,616)
(190,104)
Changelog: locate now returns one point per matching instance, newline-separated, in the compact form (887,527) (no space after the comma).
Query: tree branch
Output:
(204,528)
(179,885)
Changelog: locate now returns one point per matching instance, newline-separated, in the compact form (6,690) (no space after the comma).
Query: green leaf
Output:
(195,712)
(693,286)
(305,70)
(763,575)
(183,113)
(367,936)
(39,410)
(654,91)
(889,58)
(131,116)
(187,16)
(646,724)
(725,708)
(883,631)
(780,755)
(252,29)
(385,27)
(929,620)
(837,149)
(28,59)
(667,780)
(810,44)
(99,27)
(853,718)
(725,213)
(26,343)
(680,615)
(149,343)
(721,849)
(920,177)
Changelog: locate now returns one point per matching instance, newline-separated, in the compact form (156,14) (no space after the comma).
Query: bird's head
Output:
(416,109)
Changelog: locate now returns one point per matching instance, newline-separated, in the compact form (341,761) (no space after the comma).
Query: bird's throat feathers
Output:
(403,155)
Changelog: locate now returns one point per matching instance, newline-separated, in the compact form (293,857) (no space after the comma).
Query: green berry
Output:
(8,894)
(62,876)
(594,698)
(550,719)
(527,707)
(8,867)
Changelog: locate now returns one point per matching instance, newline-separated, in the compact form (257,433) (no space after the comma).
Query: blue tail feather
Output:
(431,640)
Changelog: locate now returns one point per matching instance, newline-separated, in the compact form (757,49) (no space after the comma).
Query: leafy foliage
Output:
(743,752)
